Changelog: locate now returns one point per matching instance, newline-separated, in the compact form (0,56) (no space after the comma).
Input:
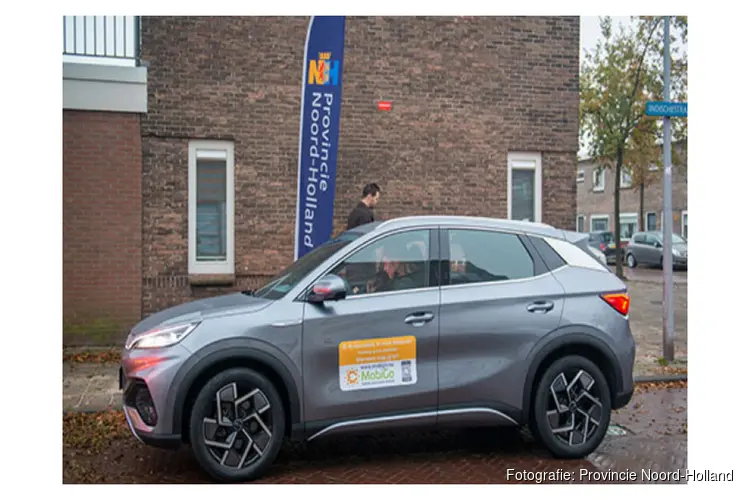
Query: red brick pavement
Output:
(656,419)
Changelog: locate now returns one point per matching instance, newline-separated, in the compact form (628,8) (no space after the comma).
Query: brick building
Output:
(104,95)
(474,100)
(596,201)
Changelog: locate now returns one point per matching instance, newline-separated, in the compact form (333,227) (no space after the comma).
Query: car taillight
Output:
(620,302)
(602,247)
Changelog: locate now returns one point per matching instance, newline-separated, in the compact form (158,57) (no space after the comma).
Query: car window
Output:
(651,240)
(287,279)
(639,238)
(484,256)
(396,262)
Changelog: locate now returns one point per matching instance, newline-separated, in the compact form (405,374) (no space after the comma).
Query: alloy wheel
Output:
(631,260)
(239,427)
(574,409)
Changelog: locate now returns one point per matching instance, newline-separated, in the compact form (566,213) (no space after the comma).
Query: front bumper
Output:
(146,377)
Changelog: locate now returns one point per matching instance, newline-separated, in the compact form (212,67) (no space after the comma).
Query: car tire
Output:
(630,259)
(252,427)
(571,430)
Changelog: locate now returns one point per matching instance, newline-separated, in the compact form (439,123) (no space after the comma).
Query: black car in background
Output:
(604,241)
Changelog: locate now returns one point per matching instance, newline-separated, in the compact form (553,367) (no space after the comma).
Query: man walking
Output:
(362,213)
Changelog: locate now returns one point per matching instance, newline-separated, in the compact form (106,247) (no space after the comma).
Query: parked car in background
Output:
(604,241)
(647,248)
(375,329)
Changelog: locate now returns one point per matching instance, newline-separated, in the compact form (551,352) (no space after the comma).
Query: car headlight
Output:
(163,336)
(675,252)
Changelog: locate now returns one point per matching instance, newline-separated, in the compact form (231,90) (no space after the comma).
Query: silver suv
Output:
(413,322)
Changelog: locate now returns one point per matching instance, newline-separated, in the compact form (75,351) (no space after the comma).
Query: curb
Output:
(661,378)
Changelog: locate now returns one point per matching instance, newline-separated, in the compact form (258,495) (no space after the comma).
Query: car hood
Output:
(235,303)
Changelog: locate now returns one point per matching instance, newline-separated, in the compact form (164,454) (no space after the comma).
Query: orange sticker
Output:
(373,363)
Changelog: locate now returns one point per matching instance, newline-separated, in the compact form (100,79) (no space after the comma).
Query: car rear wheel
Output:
(630,259)
(237,425)
(572,407)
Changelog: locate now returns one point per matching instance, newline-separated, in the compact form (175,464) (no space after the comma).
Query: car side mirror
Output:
(329,287)
(657,244)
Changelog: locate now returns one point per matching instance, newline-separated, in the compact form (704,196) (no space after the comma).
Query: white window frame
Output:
(631,215)
(594,217)
(682,223)
(595,188)
(581,176)
(211,150)
(656,221)
(579,217)
(622,178)
(526,161)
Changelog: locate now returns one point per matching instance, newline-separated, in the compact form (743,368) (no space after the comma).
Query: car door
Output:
(651,250)
(496,301)
(637,246)
(373,355)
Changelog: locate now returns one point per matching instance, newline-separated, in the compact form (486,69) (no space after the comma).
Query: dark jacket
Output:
(362,214)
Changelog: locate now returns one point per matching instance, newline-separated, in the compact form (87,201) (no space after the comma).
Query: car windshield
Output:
(607,237)
(287,279)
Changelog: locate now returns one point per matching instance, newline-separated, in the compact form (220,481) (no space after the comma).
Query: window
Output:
(651,221)
(394,263)
(639,238)
(487,256)
(599,223)
(580,223)
(684,224)
(525,186)
(287,279)
(651,240)
(211,207)
(628,225)
(581,175)
(599,179)
(626,178)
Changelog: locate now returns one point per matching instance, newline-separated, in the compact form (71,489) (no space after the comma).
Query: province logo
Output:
(323,71)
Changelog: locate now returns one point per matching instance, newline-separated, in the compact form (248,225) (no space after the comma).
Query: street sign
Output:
(384,105)
(665,108)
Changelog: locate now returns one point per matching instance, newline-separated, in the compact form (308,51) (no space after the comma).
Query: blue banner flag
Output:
(319,132)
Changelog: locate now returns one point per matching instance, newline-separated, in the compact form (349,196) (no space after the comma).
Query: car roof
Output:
(536,228)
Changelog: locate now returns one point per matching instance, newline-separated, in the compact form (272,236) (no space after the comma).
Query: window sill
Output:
(597,190)
(211,279)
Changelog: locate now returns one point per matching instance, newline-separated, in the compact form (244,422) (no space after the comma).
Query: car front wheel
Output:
(237,425)
(572,407)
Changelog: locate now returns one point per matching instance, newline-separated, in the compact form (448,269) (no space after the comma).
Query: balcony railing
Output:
(112,40)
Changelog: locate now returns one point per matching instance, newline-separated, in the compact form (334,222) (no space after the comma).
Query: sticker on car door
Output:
(376,363)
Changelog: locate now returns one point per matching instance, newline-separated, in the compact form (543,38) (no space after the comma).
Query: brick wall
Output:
(101,225)
(465,91)
(603,203)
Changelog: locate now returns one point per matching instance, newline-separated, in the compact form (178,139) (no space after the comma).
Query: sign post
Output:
(667,109)
(320,112)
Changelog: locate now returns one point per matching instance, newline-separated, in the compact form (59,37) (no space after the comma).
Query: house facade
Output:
(595,197)
(484,121)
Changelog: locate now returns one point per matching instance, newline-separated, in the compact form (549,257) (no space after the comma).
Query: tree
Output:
(617,79)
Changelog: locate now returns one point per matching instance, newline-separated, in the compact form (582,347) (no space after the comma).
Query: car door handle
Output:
(540,307)
(419,319)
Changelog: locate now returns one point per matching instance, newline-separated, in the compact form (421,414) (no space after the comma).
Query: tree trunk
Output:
(618,250)
(642,223)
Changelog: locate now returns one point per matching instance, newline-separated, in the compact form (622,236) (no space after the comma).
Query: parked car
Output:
(605,242)
(419,322)
(647,248)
